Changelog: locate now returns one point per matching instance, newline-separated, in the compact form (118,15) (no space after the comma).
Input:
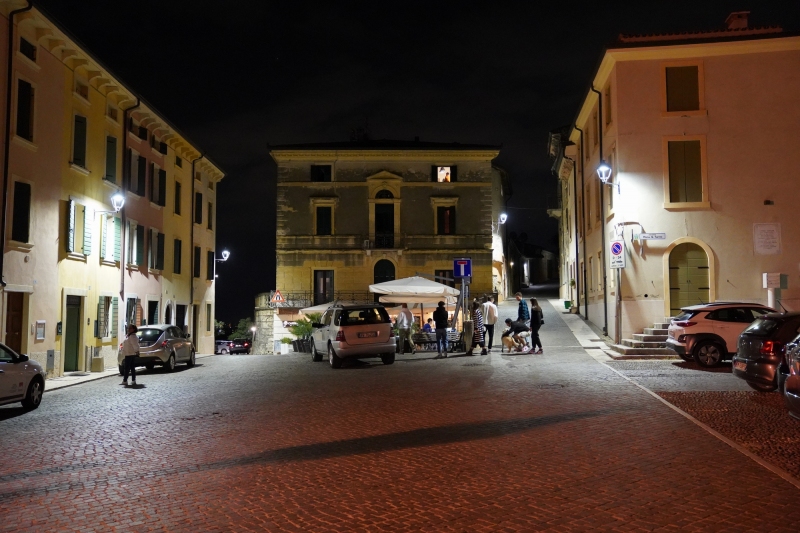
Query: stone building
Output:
(350,214)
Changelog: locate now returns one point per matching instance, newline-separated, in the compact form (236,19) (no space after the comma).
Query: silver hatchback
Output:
(163,345)
(354,331)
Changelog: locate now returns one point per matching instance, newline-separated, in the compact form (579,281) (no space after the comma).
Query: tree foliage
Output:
(242,329)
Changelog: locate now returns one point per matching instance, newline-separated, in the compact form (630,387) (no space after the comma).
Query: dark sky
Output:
(252,73)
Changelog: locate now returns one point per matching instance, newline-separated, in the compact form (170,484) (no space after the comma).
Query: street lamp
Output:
(253,329)
(604,172)
(503,218)
(117,201)
(225,255)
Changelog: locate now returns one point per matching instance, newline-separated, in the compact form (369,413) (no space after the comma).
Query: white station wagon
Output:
(21,380)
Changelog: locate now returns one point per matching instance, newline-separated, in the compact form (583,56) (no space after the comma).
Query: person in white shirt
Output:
(489,312)
(404,321)
(130,350)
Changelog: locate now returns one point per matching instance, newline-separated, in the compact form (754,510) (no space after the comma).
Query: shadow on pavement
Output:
(724,367)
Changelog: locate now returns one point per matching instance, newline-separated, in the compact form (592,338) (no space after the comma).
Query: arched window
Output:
(383,194)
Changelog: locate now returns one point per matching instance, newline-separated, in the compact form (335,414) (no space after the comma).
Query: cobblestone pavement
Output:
(487,443)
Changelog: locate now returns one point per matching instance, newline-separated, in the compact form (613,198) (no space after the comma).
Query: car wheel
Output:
(190,362)
(334,360)
(224,351)
(34,396)
(121,370)
(315,355)
(708,353)
(169,366)
(387,358)
(149,366)
(689,358)
(760,387)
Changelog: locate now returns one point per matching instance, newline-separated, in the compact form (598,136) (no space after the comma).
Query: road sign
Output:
(277,298)
(462,267)
(617,254)
(653,236)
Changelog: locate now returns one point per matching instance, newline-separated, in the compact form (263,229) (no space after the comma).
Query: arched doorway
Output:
(382,272)
(689,282)
(384,220)
(168,314)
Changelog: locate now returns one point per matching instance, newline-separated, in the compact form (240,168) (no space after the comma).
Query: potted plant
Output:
(302,330)
(285,342)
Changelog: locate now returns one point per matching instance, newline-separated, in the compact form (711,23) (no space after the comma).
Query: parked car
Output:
(223,347)
(241,345)
(353,331)
(161,344)
(708,333)
(21,380)
(790,377)
(762,347)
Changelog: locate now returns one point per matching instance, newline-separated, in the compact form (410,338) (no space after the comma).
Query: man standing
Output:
(523,315)
(489,320)
(440,319)
(404,321)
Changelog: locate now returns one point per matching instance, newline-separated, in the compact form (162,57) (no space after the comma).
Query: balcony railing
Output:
(301,299)
(382,241)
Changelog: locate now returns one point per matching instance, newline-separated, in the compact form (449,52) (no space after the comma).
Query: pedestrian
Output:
(427,328)
(536,322)
(404,321)
(130,350)
(489,320)
(514,337)
(440,320)
(523,315)
(477,332)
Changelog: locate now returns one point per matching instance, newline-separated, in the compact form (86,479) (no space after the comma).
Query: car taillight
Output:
(771,348)
(230,345)
(684,323)
(339,336)
(391,333)
(164,344)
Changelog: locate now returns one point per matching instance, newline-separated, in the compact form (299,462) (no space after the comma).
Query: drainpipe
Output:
(191,245)
(602,209)
(126,180)
(575,212)
(583,217)
(7,143)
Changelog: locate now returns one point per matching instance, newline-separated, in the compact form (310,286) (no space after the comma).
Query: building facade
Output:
(699,131)
(75,270)
(355,213)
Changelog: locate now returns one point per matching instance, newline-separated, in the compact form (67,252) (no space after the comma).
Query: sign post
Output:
(617,253)
(462,268)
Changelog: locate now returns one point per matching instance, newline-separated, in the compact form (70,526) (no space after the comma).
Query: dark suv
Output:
(241,346)
(760,358)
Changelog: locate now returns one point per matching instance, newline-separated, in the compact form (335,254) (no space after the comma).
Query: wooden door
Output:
(688,277)
(14,320)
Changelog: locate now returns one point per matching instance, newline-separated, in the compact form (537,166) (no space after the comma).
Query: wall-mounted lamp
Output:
(503,218)
(117,201)
(225,255)
(604,172)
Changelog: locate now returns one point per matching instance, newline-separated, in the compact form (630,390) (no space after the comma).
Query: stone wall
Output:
(264,317)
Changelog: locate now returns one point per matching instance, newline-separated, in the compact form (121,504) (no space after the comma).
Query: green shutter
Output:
(70,226)
(453,173)
(153,184)
(142,170)
(88,216)
(103,236)
(139,245)
(160,252)
(162,187)
(79,142)
(114,315)
(117,238)
(111,159)
(101,318)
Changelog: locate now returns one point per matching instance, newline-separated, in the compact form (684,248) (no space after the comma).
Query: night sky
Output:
(236,77)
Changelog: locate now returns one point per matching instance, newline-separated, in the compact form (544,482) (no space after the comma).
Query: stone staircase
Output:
(651,343)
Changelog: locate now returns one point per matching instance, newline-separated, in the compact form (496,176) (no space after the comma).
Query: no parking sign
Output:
(617,254)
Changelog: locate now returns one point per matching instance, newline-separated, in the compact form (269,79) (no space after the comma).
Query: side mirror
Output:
(23,358)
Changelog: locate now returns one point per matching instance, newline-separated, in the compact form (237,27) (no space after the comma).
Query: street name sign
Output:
(653,236)
(617,256)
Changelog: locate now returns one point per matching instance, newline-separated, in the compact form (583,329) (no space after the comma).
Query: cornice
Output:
(423,156)
(338,184)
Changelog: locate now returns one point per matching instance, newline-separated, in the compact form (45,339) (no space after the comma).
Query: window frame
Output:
(13,203)
(323,202)
(701,97)
(72,162)
(32,116)
(444,201)
(177,245)
(315,165)
(705,203)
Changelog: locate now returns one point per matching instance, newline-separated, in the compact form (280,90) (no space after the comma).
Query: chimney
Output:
(737,20)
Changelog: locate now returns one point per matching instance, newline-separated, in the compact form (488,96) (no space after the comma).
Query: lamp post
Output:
(253,340)
(225,255)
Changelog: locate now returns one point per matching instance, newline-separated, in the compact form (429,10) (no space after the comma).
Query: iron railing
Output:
(301,299)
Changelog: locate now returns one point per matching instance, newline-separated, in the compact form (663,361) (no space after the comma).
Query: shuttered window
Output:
(158,185)
(210,265)
(177,208)
(446,220)
(683,88)
(176,256)
(324,218)
(21,221)
(155,250)
(210,216)
(685,171)
(196,265)
(79,228)
(111,159)
(24,110)
(198,208)
(79,141)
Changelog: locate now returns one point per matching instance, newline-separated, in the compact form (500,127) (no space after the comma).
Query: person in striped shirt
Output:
(477,332)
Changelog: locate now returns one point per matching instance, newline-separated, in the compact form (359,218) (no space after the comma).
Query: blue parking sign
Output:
(462,267)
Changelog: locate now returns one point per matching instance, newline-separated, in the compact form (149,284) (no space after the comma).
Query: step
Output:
(643,344)
(626,352)
(655,331)
(661,325)
(642,337)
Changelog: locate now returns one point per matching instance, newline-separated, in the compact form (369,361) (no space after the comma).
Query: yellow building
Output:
(75,270)
(355,213)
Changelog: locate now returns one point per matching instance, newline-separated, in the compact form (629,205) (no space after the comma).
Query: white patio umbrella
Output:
(321,308)
(417,299)
(414,286)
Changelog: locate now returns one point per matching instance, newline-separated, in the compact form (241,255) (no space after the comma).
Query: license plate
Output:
(738,365)
(367,334)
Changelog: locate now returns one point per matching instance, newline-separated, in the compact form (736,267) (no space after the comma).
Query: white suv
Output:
(354,331)
(709,333)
